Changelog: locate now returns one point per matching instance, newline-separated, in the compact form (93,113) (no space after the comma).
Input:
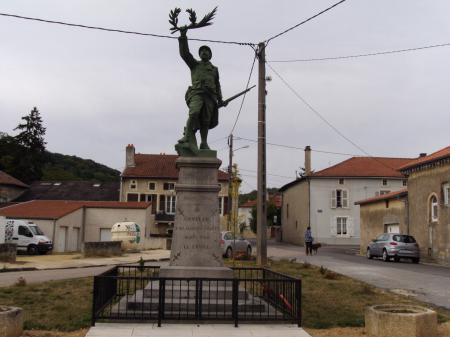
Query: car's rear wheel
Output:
(385,256)
(368,253)
(415,260)
(229,253)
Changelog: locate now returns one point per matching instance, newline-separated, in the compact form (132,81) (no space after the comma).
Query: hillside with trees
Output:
(25,157)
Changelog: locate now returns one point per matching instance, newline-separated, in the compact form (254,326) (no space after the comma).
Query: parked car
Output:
(27,235)
(394,246)
(231,245)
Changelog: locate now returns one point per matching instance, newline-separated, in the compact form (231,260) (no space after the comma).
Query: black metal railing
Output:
(134,293)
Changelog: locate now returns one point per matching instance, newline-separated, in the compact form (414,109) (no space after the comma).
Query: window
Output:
(446,193)
(132,197)
(434,208)
(133,184)
(220,206)
(341,226)
(384,182)
(151,186)
(169,186)
(25,231)
(383,192)
(339,198)
(170,204)
(405,182)
(341,181)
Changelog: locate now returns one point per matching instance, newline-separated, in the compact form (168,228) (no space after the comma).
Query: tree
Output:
(272,211)
(32,132)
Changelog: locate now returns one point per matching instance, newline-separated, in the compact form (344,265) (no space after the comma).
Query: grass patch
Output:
(330,299)
(55,305)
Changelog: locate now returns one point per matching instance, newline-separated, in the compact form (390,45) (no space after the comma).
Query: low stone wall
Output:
(8,252)
(11,322)
(154,243)
(102,248)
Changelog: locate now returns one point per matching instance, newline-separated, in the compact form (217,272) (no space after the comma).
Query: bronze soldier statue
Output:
(203,97)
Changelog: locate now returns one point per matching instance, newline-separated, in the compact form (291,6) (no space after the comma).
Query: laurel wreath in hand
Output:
(206,21)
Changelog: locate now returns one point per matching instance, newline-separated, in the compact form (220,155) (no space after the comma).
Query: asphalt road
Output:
(428,283)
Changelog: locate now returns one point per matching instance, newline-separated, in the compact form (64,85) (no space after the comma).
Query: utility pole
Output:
(261,206)
(230,181)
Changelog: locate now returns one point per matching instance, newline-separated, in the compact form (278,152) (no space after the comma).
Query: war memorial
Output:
(196,286)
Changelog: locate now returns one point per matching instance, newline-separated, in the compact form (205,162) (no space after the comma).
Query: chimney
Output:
(308,160)
(423,154)
(129,156)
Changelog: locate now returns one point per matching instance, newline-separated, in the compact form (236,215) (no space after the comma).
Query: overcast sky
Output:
(98,91)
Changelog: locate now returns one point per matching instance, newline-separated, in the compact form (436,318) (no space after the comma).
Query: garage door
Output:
(105,234)
(392,228)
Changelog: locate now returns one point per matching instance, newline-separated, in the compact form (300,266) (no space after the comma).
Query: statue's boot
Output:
(188,133)
(204,136)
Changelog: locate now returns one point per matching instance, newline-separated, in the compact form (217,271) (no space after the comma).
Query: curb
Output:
(10,270)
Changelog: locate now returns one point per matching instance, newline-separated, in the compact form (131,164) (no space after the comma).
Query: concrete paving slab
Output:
(195,330)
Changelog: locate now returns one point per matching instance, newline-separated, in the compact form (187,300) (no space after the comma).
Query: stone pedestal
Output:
(196,248)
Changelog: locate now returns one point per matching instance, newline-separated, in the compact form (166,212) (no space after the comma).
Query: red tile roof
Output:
(55,209)
(441,154)
(387,196)
(160,166)
(6,179)
(365,167)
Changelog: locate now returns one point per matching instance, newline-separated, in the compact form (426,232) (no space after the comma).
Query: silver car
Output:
(394,246)
(231,246)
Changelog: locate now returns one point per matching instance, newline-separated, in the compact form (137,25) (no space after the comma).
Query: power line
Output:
(269,174)
(362,55)
(298,147)
(243,97)
(120,30)
(305,21)
(324,119)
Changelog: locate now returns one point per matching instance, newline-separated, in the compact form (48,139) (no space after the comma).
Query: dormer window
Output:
(133,184)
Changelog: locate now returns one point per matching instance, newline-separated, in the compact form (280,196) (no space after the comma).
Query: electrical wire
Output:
(325,120)
(120,30)
(243,97)
(269,174)
(304,21)
(362,55)
(298,147)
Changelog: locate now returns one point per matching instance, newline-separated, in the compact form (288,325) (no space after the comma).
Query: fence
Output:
(138,294)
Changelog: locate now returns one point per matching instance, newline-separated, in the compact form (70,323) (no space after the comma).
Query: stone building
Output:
(152,177)
(10,188)
(422,211)
(325,199)
(428,197)
(383,214)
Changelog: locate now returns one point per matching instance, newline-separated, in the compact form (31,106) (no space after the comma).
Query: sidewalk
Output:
(195,330)
(76,260)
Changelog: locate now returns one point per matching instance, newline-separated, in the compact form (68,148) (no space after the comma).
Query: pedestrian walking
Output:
(308,241)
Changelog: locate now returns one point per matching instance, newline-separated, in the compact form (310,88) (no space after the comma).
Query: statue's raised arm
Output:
(184,48)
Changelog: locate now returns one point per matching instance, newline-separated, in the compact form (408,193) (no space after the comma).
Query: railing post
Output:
(162,293)
(298,296)
(198,298)
(94,300)
(234,302)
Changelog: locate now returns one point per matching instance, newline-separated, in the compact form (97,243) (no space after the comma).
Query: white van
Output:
(27,235)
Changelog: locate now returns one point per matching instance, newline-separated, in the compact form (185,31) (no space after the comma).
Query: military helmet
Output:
(205,47)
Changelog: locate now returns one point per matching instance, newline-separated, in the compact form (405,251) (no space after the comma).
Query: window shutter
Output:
(333,199)
(350,226)
(344,199)
(333,227)
(445,190)
(225,205)
(162,203)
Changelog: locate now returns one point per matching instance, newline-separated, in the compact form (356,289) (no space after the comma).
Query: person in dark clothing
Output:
(308,241)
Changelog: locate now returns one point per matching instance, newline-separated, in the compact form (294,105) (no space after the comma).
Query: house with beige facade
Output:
(71,223)
(422,211)
(152,178)
(324,200)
